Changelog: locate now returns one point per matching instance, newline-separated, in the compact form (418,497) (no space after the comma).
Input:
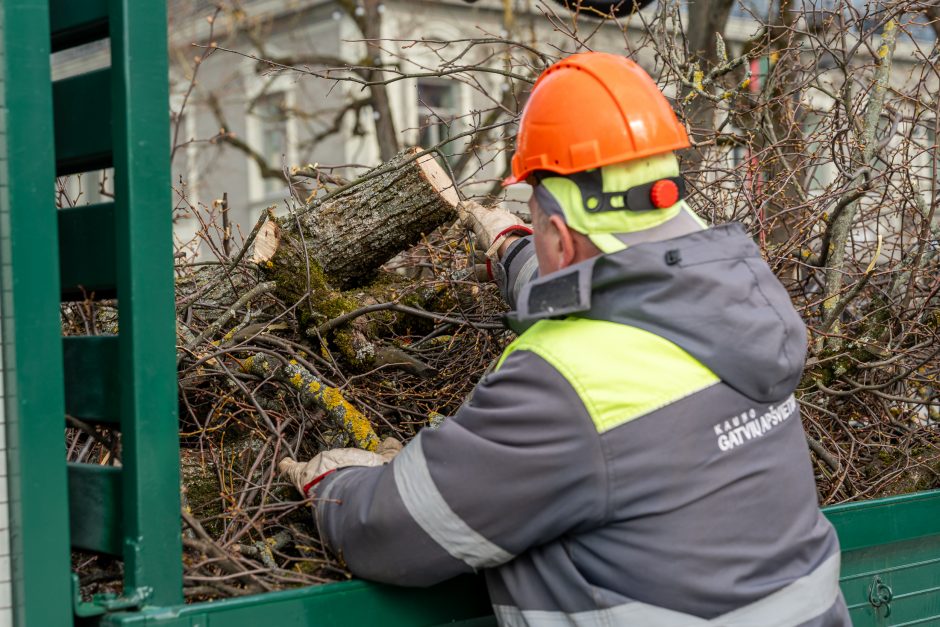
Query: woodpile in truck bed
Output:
(337,324)
(331,336)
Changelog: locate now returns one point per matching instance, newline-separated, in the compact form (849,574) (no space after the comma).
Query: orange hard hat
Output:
(590,110)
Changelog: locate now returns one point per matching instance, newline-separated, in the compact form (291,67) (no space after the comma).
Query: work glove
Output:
(305,475)
(490,225)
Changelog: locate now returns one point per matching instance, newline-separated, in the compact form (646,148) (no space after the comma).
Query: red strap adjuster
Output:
(315,481)
(515,228)
(664,194)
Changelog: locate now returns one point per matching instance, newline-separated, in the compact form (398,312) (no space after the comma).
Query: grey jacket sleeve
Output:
(519,465)
(517,267)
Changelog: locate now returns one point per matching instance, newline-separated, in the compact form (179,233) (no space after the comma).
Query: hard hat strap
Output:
(636,199)
(618,198)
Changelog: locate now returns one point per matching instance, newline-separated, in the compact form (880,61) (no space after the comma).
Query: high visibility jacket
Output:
(636,458)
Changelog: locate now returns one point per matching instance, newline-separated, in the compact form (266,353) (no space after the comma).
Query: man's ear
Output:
(567,250)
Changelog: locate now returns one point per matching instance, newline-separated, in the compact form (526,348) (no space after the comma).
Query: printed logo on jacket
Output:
(749,426)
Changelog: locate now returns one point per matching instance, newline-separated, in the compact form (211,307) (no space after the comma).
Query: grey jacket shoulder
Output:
(709,292)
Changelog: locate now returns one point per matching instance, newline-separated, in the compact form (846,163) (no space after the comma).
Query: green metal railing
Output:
(34,402)
(117,117)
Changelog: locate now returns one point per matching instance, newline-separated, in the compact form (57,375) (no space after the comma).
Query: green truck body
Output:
(117,117)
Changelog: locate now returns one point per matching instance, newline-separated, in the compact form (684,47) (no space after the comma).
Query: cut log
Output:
(343,241)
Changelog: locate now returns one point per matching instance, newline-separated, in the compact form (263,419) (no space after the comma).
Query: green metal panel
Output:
(82,110)
(32,350)
(911,570)
(891,546)
(462,601)
(92,379)
(75,22)
(95,500)
(147,340)
(87,255)
(892,519)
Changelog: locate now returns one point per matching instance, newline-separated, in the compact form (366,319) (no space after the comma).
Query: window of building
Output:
(924,150)
(438,109)
(270,111)
(739,156)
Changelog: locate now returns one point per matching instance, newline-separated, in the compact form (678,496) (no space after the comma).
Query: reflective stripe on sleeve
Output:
(529,270)
(797,603)
(427,506)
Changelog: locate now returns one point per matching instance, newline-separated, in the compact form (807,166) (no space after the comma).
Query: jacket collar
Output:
(708,292)
(603,279)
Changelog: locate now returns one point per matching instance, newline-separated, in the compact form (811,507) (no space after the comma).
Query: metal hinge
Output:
(108,601)
(880,595)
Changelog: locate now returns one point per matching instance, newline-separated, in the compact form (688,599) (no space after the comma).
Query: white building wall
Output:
(6,583)
(6,579)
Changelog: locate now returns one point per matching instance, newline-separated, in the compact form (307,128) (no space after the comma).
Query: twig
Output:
(821,452)
(206,545)
(192,82)
(210,285)
(329,325)
(841,226)
(91,431)
(212,329)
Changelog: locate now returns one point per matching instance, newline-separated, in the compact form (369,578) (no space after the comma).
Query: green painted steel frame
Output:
(77,21)
(146,315)
(133,510)
(894,543)
(461,601)
(87,252)
(94,496)
(83,122)
(32,350)
(886,521)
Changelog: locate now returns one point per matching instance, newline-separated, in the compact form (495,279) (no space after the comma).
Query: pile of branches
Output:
(285,349)
(829,159)
(816,128)
(356,316)
(304,345)
(263,385)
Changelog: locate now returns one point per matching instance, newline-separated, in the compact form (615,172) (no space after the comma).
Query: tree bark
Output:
(369,23)
(342,242)
(840,226)
(706,20)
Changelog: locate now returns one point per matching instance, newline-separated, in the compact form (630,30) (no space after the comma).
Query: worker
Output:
(637,456)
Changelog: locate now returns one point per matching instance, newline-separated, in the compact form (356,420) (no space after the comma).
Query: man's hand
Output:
(491,226)
(305,475)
